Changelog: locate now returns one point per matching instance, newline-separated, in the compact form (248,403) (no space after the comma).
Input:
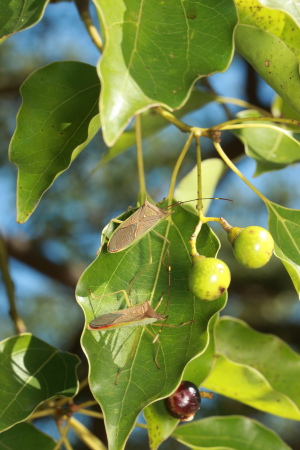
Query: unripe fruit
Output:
(208,278)
(252,246)
(184,402)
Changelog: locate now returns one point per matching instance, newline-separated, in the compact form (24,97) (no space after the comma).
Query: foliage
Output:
(155,68)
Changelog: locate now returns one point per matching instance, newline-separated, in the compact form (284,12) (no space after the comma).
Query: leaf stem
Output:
(87,404)
(177,167)
(42,413)
(84,13)
(86,436)
(199,175)
(228,125)
(90,413)
(83,384)
(238,173)
(63,435)
(13,312)
(242,103)
(171,118)
(193,239)
(142,425)
(140,161)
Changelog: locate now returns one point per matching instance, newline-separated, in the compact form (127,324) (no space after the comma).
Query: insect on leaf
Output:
(108,351)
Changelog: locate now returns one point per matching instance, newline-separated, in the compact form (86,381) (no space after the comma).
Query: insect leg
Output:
(158,346)
(128,301)
(169,326)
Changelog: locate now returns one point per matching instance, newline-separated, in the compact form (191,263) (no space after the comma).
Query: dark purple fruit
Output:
(184,402)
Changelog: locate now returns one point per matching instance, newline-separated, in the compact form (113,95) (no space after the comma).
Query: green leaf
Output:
(155,51)
(272,147)
(26,437)
(32,372)
(17,15)
(256,369)
(280,108)
(153,123)
(198,369)
(140,382)
(228,433)
(291,7)
(212,170)
(284,225)
(270,40)
(160,424)
(57,119)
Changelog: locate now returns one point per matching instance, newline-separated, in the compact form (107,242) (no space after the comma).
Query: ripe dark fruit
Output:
(208,278)
(184,402)
(252,246)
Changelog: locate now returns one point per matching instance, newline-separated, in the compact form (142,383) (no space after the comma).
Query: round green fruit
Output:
(209,278)
(252,247)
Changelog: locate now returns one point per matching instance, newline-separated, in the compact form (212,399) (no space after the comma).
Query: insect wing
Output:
(141,314)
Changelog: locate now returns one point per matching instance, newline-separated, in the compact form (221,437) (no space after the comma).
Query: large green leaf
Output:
(273,148)
(160,423)
(284,225)
(255,368)
(17,15)
(57,119)
(26,437)
(212,170)
(155,51)
(140,382)
(270,40)
(228,433)
(152,123)
(32,371)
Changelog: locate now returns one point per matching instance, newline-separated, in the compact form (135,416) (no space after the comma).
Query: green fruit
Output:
(208,278)
(252,246)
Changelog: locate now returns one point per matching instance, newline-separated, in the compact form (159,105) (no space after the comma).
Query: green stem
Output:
(90,413)
(83,384)
(63,436)
(171,118)
(250,125)
(228,125)
(42,413)
(87,404)
(220,220)
(243,104)
(140,161)
(193,238)
(177,167)
(86,436)
(83,10)
(238,173)
(13,312)
(199,175)
(142,425)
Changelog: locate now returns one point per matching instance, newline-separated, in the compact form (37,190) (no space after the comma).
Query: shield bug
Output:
(136,226)
(143,220)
